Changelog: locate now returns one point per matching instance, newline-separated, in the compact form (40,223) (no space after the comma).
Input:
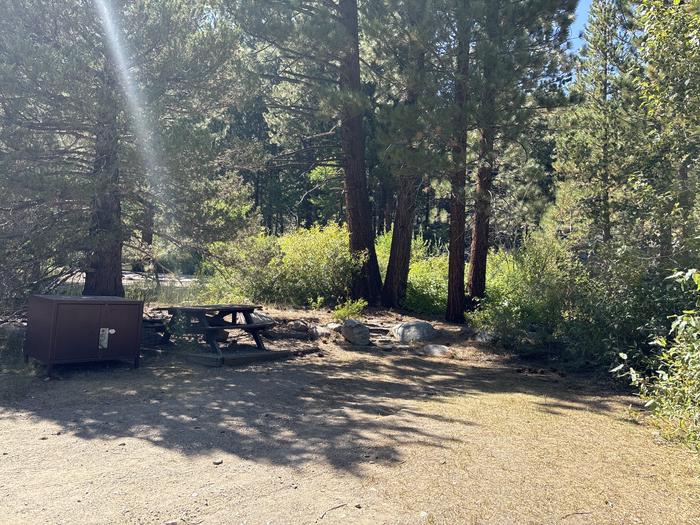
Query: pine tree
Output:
(311,52)
(72,164)
(667,85)
(518,52)
(593,149)
(404,37)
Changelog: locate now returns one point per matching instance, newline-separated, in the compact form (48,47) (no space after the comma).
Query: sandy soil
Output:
(347,435)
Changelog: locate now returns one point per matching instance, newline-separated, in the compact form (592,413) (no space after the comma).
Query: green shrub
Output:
(349,309)
(673,390)
(426,291)
(544,296)
(427,284)
(532,294)
(302,268)
(420,250)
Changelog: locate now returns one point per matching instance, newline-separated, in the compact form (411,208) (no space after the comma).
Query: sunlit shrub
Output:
(544,296)
(427,284)
(426,291)
(302,268)
(672,390)
(532,294)
(349,309)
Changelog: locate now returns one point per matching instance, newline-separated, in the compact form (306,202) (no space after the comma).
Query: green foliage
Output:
(349,309)
(295,269)
(534,295)
(426,292)
(427,285)
(543,297)
(672,391)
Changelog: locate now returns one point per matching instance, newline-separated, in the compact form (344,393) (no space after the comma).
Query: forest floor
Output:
(345,435)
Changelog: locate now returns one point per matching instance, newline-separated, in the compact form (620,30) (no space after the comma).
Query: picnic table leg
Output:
(210,337)
(169,328)
(256,335)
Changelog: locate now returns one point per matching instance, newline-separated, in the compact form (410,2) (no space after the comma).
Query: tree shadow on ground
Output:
(347,412)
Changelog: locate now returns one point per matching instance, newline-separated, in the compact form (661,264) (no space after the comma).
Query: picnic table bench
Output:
(210,320)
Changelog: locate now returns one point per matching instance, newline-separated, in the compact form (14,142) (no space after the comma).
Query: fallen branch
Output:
(332,508)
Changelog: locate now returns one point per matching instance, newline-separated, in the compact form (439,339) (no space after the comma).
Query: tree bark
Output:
(486,120)
(367,284)
(482,217)
(456,299)
(103,274)
(409,182)
(396,281)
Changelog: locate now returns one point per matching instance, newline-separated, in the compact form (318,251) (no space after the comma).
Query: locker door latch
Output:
(104,337)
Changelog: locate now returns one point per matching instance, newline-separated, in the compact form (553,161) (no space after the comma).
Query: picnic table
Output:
(210,320)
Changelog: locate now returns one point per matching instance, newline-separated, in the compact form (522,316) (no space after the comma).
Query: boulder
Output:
(319,332)
(261,318)
(436,351)
(355,333)
(298,326)
(414,331)
(335,327)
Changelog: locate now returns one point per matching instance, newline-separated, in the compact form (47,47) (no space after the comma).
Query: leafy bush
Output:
(349,309)
(673,390)
(532,294)
(420,250)
(306,267)
(427,284)
(544,296)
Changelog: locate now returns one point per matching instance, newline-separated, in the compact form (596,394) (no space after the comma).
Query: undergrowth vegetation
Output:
(542,296)
(311,267)
(314,268)
(672,388)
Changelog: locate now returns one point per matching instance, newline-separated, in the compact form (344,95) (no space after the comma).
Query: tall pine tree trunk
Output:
(103,275)
(482,217)
(396,281)
(368,282)
(456,299)
(487,118)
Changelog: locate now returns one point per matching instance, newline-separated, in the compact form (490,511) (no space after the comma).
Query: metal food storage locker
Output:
(65,329)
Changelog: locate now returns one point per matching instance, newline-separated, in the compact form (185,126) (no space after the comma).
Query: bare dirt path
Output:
(348,437)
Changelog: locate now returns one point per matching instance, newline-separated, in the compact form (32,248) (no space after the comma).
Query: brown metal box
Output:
(65,329)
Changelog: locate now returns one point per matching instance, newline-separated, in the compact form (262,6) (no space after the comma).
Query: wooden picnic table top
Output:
(211,308)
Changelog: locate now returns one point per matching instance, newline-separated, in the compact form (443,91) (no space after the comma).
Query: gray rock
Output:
(436,351)
(414,331)
(355,332)
(298,326)
(319,332)
(335,327)
(261,318)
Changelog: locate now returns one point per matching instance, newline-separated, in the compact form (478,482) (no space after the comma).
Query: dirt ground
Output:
(345,435)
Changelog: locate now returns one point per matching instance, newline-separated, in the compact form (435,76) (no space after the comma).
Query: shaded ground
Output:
(352,436)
